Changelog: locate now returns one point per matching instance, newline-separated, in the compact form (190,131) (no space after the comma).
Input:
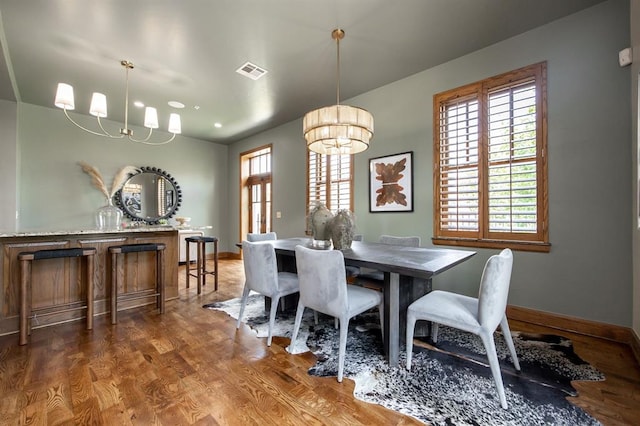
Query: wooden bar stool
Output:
(201,261)
(26,286)
(158,248)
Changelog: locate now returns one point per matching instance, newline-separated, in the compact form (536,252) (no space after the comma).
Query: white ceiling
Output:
(188,50)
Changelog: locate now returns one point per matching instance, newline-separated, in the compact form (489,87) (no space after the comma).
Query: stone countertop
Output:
(193,228)
(130,229)
(44,233)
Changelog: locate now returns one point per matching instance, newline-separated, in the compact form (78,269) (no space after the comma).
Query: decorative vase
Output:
(109,217)
(341,229)
(319,219)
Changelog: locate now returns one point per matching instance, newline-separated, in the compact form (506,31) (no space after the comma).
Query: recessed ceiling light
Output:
(176,104)
(138,104)
(217,125)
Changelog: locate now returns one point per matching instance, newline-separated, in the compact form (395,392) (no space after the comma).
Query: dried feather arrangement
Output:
(96,178)
(98,182)
(121,177)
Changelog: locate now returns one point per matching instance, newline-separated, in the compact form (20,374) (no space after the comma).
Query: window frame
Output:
(326,158)
(247,180)
(480,91)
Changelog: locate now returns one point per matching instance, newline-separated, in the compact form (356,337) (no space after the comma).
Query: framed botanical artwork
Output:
(391,183)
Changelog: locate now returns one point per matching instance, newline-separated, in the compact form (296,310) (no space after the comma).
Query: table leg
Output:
(399,293)
(392,318)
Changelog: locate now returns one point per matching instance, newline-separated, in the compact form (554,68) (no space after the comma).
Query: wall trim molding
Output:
(635,345)
(600,330)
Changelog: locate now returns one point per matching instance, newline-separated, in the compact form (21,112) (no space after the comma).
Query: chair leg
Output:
(296,326)
(490,347)
(411,323)
(315,317)
(25,299)
(114,288)
(203,263)
(215,265)
(90,290)
(344,328)
(199,267)
(434,332)
(243,303)
(161,279)
(188,264)
(272,318)
(504,326)
(381,312)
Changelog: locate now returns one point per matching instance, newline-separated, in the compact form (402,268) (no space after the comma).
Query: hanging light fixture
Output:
(64,99)
(338,129)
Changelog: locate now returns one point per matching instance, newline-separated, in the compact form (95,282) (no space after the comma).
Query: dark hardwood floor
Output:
(191,366)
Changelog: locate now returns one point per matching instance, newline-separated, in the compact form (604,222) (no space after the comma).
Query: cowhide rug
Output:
(450,382)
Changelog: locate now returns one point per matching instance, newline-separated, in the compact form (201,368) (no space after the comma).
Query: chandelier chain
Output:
(338,71)
(337,35)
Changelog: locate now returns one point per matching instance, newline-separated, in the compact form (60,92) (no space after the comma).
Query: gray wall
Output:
(54,193)
(634,155)
(288,179)
(588,273)
(8,165)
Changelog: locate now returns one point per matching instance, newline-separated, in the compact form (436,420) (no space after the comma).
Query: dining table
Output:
(408,273)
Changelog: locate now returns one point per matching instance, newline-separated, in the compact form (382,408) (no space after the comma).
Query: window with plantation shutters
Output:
(490,168)
(329,181)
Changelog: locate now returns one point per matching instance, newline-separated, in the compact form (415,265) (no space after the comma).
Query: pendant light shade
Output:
(65,100)
(175,125)
(151,118)
(64,97)
(338,129)
(98,106)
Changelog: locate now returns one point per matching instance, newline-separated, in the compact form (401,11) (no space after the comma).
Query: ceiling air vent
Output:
(252,71)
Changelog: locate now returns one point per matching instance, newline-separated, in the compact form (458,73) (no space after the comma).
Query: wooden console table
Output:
(56,281)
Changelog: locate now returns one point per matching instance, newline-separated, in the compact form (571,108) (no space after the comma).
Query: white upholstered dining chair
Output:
(353,271)
(480,316)
(267,236)
(323,288)
(262,276)
(400,241)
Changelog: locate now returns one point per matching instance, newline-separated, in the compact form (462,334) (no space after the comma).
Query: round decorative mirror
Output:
(150,196)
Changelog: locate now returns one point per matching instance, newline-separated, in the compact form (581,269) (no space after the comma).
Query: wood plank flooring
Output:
(191,366)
